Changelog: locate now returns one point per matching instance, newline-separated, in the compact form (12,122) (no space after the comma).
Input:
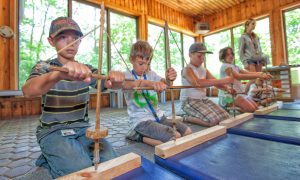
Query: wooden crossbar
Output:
(266,110)
(231,122)
(109,169)
(171,148)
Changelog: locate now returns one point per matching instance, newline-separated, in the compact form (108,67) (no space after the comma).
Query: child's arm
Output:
(158,86)
(209,81)
(171,75)
(116,79)
(247,76)
(223,83)
(40,85)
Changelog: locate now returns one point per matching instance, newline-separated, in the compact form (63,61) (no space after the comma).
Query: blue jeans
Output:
(62,155)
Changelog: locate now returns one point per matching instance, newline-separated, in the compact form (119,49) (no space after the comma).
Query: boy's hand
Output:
(266,76)
(159,86)
(229,80)
(171,74)
(116,79)
(230,90)
(77,72)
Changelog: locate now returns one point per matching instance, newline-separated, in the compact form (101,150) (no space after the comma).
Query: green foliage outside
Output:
(214,43)
(158,63)
(123,34)
(292,27)
(33,33)
(217,41)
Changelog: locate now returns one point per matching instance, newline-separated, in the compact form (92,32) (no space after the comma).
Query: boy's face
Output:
(197,58)
(140,65)
(62,40)
(229,56)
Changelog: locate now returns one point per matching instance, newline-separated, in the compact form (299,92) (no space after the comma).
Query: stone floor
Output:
(19,150)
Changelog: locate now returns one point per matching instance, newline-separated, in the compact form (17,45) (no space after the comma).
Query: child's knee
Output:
(177,135)
(188,131)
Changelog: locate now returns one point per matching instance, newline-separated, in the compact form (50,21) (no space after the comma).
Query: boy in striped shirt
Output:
(64,120)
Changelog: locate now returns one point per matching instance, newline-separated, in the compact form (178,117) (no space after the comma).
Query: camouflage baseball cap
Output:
(198,47)
(62,24)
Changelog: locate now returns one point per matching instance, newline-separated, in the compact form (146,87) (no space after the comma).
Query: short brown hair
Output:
(223,53)
(141,49)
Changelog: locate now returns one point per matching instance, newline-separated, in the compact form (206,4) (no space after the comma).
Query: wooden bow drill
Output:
(62,69)
(167,45)
(96,133)
(267,103)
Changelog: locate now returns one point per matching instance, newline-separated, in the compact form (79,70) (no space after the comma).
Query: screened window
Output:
(187,42)
(34,24)
(158,63)
(88,52)
(219,40)
(214,43)
(292,32)
(123,30)
(262,30)
(292,35)
(175,54)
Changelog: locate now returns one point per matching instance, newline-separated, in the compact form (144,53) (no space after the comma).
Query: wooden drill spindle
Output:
(168,66)
(96,133)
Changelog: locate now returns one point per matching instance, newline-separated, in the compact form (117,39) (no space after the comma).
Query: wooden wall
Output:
(253,9)
(8,57)
(18,107)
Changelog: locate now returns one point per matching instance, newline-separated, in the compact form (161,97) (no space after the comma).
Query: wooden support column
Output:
(276,33)
(143,27)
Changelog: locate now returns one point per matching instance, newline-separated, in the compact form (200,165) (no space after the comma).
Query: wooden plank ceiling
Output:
(198,8)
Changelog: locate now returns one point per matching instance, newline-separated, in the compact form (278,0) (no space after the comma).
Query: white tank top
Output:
(193,93)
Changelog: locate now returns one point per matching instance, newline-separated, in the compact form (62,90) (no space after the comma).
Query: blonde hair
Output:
(247,24)
(141,49)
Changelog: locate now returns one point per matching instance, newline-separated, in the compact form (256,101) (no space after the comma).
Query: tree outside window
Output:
(292,31)
(263,32)
(123,30)
(34,25)
(214,43)
(187,42)
(158,63)
(292,34)
(175,54)
(88,52)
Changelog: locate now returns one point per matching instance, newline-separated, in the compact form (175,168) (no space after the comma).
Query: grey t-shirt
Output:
(137,107)
(237,85)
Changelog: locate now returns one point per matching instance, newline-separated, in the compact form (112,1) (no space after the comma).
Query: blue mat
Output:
(291,106)
(270,129)
(236,157)
(283,114)
(150,171)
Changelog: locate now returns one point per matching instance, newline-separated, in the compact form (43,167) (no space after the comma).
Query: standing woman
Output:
(250,51)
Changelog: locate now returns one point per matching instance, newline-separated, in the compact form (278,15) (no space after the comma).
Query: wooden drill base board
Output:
(177,118)
(231,122)
(173,147)
(109,169)
(266,110)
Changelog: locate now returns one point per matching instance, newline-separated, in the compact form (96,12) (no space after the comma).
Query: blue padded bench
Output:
(270,129)
(149,171)
(234,156)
